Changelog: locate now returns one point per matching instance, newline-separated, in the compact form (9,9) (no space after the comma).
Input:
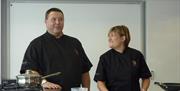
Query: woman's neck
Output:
(120,49)
(58,35)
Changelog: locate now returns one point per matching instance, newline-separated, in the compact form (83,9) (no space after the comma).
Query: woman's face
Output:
(115,41)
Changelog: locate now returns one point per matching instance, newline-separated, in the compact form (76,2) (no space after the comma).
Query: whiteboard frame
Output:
(140,2)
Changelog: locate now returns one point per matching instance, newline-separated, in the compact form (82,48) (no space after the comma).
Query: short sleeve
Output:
(86,64)
(100,71)
(144,70)
(30,59)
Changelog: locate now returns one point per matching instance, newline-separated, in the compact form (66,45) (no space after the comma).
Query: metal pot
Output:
(32,79)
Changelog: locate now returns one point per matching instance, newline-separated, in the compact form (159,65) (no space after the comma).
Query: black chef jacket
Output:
(47,54)
(121,71)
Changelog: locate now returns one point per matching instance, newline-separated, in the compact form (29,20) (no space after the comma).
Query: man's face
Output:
(55,23)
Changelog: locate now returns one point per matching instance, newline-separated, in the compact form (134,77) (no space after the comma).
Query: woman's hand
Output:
(49,85)
(101,86)
(143,90)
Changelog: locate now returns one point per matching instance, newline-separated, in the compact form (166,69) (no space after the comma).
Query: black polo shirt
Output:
(47,54)
(121,71)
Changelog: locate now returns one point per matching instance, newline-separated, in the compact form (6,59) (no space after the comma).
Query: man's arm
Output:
(145,84)
(86,80)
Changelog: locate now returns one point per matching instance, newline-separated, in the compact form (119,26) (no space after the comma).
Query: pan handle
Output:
(161,85)
(54,74)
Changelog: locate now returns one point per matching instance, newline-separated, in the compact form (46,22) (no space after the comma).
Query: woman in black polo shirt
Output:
(121,67)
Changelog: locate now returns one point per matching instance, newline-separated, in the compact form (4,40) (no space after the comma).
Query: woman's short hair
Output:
(122,30)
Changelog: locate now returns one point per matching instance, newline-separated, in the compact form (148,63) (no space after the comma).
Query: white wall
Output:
(89,23)
(163,40)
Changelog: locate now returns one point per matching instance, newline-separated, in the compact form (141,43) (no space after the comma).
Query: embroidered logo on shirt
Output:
(97,74)
(76,51)
(134,63)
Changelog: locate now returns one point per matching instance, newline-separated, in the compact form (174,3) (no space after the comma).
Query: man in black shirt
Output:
(56,52)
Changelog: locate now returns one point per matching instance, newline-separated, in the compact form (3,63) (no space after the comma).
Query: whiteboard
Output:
(88,22)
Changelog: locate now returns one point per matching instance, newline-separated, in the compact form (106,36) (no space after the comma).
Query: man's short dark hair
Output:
(52,10)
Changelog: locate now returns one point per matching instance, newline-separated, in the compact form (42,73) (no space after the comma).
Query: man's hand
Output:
(49,85)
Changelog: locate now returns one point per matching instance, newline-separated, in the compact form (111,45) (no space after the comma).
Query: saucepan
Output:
(32,79)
